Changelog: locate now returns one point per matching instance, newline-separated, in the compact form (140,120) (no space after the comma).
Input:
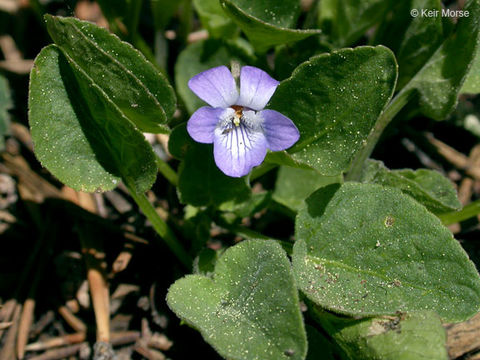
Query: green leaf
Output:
(345,21)
(214,19)
(472,83)
(469,211)
(366,250)
(80,136)
(198,57)
(5,105)
(412,39)
(408,336)
(204,263)
(439,81)
(294,185)
(201,183)
(179,142)
(285,159)
(428,187)
(267,23)
(283,14)
(126,78)
(196,228)
(250,309)
(335,100)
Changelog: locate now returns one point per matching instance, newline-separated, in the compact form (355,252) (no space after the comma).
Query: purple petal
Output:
(238,149)
(201,125)
(256,88)
(280,131)
(215,86)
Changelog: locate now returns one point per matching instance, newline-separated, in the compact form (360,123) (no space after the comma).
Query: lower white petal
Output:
(237,149)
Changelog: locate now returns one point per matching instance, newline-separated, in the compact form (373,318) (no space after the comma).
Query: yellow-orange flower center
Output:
(238,114)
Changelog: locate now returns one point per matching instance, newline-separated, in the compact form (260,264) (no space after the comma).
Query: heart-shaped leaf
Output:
(365,250)
(179,142)
(472,83)
(428,187)
(418,335)
(267,23)
(335,100)
(80,136)
(283,14)
(439,81)
(250,308)
(126,78)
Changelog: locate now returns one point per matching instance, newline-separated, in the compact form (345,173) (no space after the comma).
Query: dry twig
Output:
(31,186)
(56,342)
(25,323)
(74,322)
(60,353)
(7,352)
(150,354)
(5,325)
(14,61)
(94,259)
(463,337)
(455,157)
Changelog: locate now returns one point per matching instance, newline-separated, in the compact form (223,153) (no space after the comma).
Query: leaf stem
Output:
(466,213)
(161,50)
(245,232)
(384,119)
(161,228)
(166,170)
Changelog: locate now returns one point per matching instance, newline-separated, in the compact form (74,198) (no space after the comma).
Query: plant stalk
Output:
(469,211)
(166,171)
(162,228)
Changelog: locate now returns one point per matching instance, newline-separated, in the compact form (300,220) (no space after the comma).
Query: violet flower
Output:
(240,130)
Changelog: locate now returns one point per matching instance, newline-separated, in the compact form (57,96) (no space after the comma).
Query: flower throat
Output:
(237,117)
